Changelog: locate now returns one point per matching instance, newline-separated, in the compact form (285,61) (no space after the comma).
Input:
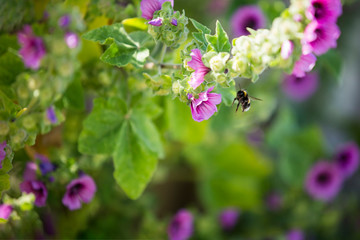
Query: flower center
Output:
(76,188)
(323,178)
(250,23)
(344,159)
(319,10)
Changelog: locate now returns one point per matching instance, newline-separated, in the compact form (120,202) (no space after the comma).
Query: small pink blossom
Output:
(305,64)
(287,49)
(324,11)
(205,106)
(79,190)
(201,70)
(149,7)
(5,211)
(72,39)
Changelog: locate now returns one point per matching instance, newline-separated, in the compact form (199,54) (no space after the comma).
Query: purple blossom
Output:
(324,11)
(156,22)
(347,159)
(45,165)
(181,226)
(174,22)
(305,64)
(228,218)
(72,39)
(5,211)
(300,88)
(51,116)
(149,7)
(201,70)
(79,190)
(319,38)
(32,48)
(287,49)
(38,189)
(274,201)
(64,21)
(30,171)
(2,153)
(204,107)
(323,181)
(295,234)
(249,16)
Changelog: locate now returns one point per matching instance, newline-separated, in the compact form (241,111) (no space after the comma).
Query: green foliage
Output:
(129,136)
(200,35)
(220,41)
(124,48)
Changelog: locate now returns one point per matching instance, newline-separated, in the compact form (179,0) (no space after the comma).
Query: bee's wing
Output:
(254,98)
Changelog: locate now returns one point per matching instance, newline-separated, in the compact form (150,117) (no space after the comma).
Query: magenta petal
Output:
(201,70)
(156,22)
(174,22)
(247,16)
(305,64)
(181,226)
(72,202)
(205,106)
(149,7)
(72,39)
(30,171)
(324,11)
(38,189)
(287,49)
(79,190)
(5,211)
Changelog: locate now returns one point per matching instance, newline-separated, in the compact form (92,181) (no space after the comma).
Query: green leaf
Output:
(10,66)
(134,165)
(200,27)
(118,55)
(200,36)
(100,131)
(220,41)
(4,182)
(74,95)
(6,42)
(227,93)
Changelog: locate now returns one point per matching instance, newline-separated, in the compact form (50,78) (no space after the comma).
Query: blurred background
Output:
(257,164)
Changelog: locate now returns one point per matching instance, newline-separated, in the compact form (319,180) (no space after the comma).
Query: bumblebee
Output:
(243,99)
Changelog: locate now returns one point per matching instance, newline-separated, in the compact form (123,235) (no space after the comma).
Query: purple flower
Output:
(38,189)
(305,64)
(228,218)
(72,39)
(51,116)
(300,88)
(64,21)
(274,201)
(323,181)
(5,211)
(149,7)
(347,159)
(324,11)
(201,70)
(79,190)
(2,152)
(174,22)
(287,49)
(45,165)
(295,234)
(249,16)
(156,22)
(181,226)
(319,38)
(32,48)
(205,106)
(30,171)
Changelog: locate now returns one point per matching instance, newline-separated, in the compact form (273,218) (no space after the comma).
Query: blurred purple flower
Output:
(305,64)
(5,211)
(156,22)
(181,226)
(149,7)
(32,48)
(51,116)
(2,153)
(79,190)
(30,171)
(347,159)
(201,70)
(72,40)
(274,201)
(205,106)
(228,218)
(295,234)
(64,21)
(38,189)
(319,38)
(300,88)
(249,16)
(323,181)
(174,22)
(287,49)
(218,7)
(324,11)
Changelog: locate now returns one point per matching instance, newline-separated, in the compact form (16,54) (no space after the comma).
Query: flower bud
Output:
(176,87)
(218,62)
(239,65)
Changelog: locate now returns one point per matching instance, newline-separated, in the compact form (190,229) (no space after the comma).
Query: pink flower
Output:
(156,22)
(32,48)
(324,11)
(181,226)
(245,17)
(319,38)
(5,211)
(149,7)
(205,106)
(287,49)
(201,70)
(79,190)
(300,88)
(72,39)
(38,188)
(305,64)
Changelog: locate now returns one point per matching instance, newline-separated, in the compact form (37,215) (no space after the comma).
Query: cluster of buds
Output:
(165,24)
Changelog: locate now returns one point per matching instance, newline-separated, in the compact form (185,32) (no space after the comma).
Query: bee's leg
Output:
(233,102)
(237,106)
